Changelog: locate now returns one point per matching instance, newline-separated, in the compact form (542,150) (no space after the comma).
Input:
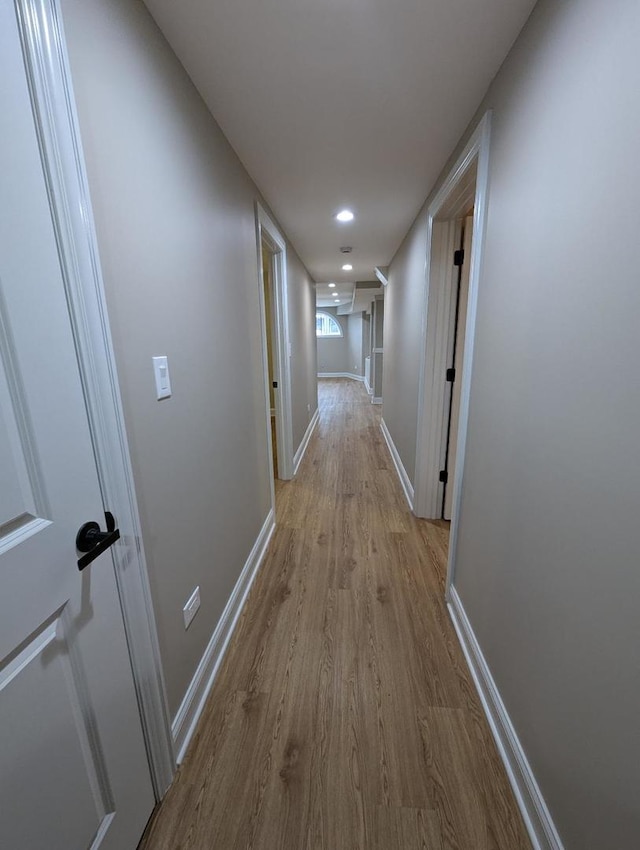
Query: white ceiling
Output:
(338,295)
(334,103)
(347,296)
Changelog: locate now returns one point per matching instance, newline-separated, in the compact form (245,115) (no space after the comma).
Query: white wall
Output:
(356,359)
(175,218)
(548,552)
(345,353)
(366,335)
(302,336)
(403,328)
(333,352)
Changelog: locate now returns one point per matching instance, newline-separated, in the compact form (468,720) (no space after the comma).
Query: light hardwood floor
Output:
(343,717)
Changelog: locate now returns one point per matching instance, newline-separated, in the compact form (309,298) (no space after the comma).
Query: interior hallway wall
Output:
(366,335)
(404,309)
(345,353)
(548,551)
(333,352)
(356,359)
(175,218)
(302,336)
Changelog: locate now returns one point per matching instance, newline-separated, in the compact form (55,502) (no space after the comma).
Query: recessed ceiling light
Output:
(331,285)
(347,267)
(345,215)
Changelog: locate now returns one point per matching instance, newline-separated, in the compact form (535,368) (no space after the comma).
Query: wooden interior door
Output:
(73,768)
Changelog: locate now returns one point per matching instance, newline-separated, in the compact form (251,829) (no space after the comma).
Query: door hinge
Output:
(444,476)
(451,375)
(458,257)
(275,385)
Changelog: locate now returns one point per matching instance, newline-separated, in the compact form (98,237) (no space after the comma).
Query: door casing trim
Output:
(450,203)
(57,127)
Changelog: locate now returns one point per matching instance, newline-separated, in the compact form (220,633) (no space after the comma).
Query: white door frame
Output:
(269,233)
(49,79)
(466,184)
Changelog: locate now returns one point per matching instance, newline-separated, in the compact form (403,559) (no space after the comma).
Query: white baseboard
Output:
(376,400)
(341,375)
(305,441)
(407,486)
(536,815)
(188,714)
(368,387)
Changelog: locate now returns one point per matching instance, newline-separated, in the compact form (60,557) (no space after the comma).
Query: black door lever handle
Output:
(94,542)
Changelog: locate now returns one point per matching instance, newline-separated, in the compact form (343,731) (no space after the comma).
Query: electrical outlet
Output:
(308,408)
(191,608)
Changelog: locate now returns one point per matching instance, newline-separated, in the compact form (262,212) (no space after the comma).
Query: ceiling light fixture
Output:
(347,267)
(331,285)
(345,215)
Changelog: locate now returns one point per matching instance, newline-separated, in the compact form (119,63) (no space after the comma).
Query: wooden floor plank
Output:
(344,716)
(411,829)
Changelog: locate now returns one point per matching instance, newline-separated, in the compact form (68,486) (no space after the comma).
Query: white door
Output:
(73,767)
(463,300)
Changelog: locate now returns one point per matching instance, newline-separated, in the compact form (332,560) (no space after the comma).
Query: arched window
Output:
(326,325)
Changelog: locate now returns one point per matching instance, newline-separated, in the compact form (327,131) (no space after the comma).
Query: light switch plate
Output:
(161,372)
(191,608)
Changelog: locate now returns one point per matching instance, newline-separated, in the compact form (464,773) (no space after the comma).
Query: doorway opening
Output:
(276,346)
(267,286)
(376,344)
(457,334)
(456,226)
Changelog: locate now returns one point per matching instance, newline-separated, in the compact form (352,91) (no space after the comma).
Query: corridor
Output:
(343,716)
